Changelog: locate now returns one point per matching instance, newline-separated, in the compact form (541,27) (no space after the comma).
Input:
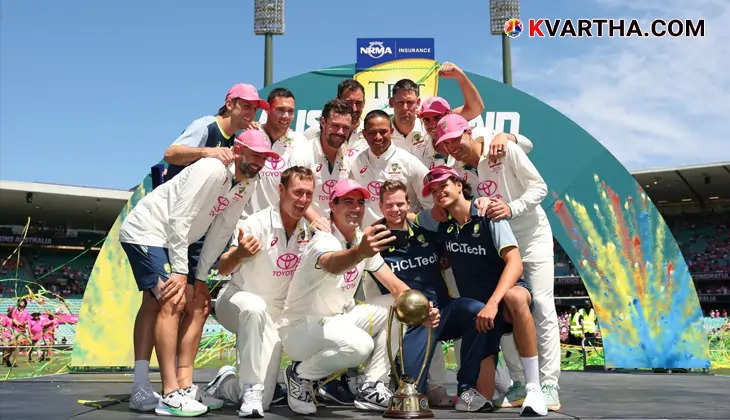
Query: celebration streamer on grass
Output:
(637,279)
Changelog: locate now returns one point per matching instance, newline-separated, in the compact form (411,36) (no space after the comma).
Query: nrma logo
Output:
(376,49)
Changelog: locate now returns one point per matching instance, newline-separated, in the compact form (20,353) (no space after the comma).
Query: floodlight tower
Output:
(500,11)
(268,20)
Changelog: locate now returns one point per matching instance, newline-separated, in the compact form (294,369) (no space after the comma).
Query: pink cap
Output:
(450,126)
(434,105)
(247,93)
(346,186)
(257,141)
(435,175)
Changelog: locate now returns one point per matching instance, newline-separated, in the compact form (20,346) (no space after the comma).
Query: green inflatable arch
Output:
(628,259)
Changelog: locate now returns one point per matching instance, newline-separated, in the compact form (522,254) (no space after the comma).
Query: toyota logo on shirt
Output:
(350,278)
(275,163)
(287,261)
(374,188)
(487,188)
(328,186)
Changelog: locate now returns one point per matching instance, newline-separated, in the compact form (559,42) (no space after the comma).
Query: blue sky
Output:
(91,93)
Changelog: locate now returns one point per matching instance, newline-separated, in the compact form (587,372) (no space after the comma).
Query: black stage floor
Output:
(584,395)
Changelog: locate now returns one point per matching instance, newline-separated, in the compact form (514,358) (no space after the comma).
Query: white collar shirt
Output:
(371,171)
(269,272)
(203,199)
(316,292)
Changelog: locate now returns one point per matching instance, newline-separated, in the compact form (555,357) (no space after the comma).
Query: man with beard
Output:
(250,305)
(206,197)
(283,140)
(326,154)
(517,190)
(353,93)
(210,136)
(323,329)
(405,103)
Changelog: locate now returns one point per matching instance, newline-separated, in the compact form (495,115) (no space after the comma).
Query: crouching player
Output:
(323,330)
(251,304)
(487,266)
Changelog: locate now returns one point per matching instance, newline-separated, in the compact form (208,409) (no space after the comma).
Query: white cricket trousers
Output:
(257,342)
(540,276)
(325,345)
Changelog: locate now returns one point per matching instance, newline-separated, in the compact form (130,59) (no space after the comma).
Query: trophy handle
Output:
(388,340)
(425,359)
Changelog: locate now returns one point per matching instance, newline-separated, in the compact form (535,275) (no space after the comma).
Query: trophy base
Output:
(408,406)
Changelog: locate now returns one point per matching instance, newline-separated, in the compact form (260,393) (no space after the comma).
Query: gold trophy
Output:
(411,308)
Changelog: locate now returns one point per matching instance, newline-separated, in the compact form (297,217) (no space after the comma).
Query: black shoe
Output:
(336,392)
(279,395)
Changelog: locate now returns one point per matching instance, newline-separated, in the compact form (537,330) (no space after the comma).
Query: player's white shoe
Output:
(300,392)
(175,403)
(534,404)
(251,404)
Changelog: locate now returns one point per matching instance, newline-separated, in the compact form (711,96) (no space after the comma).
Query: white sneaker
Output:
(206,399)
(300,392)
(212,387)
(472,400)
(373,396)
(251,405)
(534,404)
(176,404)
(143,398)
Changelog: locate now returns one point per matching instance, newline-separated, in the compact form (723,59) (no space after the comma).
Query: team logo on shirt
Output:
(327,188)
(488,188)
(374,189)
(350,278)
(476,233)
(221,204)
(395,169)
(417,139)
(287,263)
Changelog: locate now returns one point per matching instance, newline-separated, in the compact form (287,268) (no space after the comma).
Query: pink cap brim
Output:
(429,113)
(450,135)
(427,188)
(363,190)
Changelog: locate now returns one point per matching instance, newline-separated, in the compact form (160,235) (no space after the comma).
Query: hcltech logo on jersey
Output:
(374,51)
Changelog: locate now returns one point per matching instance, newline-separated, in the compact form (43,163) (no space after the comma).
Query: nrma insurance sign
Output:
(374,51)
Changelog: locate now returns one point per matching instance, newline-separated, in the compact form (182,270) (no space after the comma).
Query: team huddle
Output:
(321,231)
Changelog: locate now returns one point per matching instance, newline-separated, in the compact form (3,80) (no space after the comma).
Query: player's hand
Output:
(498,146)
(224,154)
(174,288)
(375,238)
(498,210)
(485,317)
(481,204)
(439,214)
(253,125)
(450,70)
(321,224)
(434,316)
(247,245)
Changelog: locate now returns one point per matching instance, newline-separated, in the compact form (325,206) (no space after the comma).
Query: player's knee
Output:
(254,309)
(516,301)
(357,350)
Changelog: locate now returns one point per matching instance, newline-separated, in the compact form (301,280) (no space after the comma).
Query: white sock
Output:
(532,370)
(142,372)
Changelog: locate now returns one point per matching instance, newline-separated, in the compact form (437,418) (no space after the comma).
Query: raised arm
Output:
(473,104)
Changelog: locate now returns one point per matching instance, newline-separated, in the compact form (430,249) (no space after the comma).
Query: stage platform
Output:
(585,395)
